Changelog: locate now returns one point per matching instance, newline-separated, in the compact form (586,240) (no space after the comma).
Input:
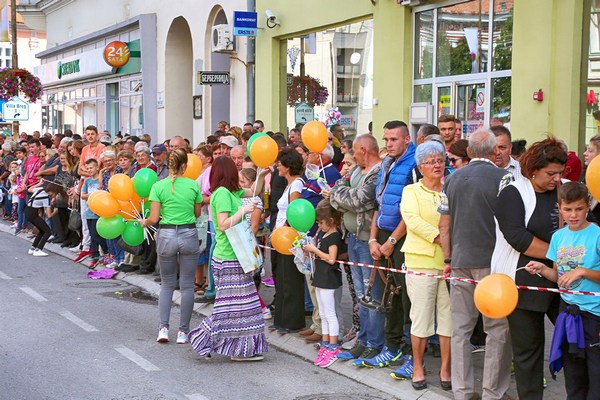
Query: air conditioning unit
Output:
(222,39)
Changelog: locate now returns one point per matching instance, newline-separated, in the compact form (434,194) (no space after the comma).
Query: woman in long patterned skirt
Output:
(236,326)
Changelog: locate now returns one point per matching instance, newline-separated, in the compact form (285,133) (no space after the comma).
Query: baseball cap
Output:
(159,149)
(105,140)
(229,141)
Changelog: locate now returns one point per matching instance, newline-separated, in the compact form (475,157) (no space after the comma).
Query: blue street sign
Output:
(244,23)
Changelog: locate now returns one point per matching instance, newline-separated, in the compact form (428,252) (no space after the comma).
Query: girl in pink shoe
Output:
(327,277)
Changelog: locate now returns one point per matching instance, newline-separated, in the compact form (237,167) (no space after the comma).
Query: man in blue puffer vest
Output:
(387,235)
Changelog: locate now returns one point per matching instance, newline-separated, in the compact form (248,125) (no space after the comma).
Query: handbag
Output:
(244,245)
(202,228)
(135,250)
(75,218)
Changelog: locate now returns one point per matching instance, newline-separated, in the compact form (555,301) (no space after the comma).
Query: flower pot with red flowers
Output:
(19,81)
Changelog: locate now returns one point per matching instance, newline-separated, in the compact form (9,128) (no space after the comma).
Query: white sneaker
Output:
(182,337)
(75,249)
(258,357)
(267,313)
(31,251)
(163,335)
(39,253)
(112,264)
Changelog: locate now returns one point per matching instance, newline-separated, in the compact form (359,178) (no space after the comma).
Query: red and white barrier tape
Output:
(454,278)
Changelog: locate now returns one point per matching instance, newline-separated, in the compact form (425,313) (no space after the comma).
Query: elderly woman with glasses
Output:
(429,297)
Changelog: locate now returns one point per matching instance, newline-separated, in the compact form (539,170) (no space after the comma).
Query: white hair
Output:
(328,151)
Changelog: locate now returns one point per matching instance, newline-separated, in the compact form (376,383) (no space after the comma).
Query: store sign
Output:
(116,54)
(304,113)
(89,64)
(213,78)
(68,68)
(15,109)
(347,121)
(471,126)
(244,23)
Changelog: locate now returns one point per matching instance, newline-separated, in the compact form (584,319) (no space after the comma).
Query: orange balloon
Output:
(496,296)
(264,151)
(121,187)
(104,205)
(283,238)
(314,136)
(194,167)
(91,197)
(592,177)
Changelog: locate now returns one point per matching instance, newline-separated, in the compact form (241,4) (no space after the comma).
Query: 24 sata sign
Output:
(116,54)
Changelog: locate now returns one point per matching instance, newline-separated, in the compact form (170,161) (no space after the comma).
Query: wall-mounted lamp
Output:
(271,19)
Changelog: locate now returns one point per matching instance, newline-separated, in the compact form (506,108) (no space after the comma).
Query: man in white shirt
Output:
(503,157)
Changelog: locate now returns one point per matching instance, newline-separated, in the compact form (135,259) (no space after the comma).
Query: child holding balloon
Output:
(575,250)
(92,184)
(327,278)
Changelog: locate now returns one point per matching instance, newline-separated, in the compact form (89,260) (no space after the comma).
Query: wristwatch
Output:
(392,240)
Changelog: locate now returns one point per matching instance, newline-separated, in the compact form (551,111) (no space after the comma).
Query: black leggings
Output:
(33,216)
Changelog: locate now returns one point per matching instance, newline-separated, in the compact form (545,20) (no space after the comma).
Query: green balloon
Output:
(133,234)
(143,181)
(301,215)
(253,138)
(110,228)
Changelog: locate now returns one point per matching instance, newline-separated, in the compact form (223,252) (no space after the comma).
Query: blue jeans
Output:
(211,290)
(372,322)
(115,250)
(21,221)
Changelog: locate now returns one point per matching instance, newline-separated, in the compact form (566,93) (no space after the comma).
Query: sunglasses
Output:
(454,160)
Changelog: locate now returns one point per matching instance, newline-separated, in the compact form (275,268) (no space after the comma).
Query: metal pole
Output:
(250,70)
(302,72)
(15,58)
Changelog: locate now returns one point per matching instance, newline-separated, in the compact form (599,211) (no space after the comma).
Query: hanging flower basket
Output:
(315,94)
(16,81)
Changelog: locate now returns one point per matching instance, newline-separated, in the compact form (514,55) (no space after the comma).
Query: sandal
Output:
(199,289)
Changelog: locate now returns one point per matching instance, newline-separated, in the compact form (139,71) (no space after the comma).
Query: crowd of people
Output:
(442,204)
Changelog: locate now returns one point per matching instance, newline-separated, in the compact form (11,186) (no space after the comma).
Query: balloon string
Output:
(136,212)
(322,167)
(132,216)
(538,274)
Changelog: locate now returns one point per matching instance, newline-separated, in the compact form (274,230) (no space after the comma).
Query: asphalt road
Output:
(68,337)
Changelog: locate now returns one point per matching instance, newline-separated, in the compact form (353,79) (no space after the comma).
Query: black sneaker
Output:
(130,268)
(367,353)
(355,352)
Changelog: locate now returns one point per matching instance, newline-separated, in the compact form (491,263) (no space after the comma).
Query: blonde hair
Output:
(177,159)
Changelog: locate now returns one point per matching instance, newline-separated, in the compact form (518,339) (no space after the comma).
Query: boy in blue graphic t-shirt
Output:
(575,250)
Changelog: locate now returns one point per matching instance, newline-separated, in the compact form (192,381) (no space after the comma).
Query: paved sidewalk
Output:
(293,344)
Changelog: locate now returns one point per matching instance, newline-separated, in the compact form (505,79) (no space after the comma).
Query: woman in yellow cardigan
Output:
(423,253)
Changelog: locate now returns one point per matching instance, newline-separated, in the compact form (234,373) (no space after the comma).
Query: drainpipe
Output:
(250,56)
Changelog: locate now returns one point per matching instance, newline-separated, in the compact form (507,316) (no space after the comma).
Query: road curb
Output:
(378,379)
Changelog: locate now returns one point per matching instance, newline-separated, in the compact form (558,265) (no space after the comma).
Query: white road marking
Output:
(4,276)
(196,396)
(78,321)
(33,294)
(136,358)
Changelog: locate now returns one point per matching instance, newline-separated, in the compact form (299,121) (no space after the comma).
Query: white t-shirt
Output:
(39,199)
(283,203)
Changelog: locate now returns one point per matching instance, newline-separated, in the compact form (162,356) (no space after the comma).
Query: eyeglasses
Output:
(454,160)
(435,162)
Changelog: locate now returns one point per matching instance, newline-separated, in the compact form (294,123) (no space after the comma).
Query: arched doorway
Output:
(179,80)
(219,94)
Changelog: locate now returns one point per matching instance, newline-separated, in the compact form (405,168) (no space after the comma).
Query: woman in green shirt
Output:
(177,203)
(236,327)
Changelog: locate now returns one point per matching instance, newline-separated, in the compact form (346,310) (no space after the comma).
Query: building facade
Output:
(157,91)
(518,63)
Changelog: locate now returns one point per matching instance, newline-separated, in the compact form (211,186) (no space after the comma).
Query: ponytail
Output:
(177,159)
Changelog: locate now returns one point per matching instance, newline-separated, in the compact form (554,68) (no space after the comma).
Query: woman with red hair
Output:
(236,326)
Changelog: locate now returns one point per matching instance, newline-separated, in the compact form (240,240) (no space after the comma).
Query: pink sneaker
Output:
(329,357)
(320,355)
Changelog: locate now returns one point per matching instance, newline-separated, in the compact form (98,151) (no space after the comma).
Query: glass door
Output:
(471,105)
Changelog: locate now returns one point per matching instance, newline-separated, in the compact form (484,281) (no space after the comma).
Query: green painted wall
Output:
(547,55)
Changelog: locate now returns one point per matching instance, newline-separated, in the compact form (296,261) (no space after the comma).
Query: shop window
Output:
(462,38)
(501,88)
(502,38)
(422,93)
(424,44)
